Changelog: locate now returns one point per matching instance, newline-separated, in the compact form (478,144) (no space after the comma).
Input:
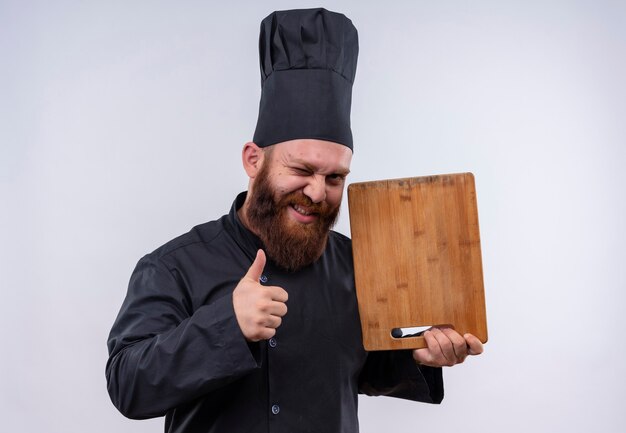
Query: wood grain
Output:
(417,257)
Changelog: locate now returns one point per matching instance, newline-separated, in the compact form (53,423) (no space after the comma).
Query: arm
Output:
(162,354)
(416,375)
(396,374)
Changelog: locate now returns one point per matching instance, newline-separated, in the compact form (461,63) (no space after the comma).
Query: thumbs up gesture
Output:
(259,309)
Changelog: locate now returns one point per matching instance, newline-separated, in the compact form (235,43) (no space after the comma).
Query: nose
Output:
(316,189)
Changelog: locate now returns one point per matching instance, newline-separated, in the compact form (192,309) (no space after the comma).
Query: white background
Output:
(121,125)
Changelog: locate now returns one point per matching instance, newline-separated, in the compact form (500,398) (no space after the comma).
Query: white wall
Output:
(121,125)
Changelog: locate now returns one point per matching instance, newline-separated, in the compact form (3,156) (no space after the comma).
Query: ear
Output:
(252,158)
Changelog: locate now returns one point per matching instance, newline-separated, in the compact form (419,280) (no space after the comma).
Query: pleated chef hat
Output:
(308,62)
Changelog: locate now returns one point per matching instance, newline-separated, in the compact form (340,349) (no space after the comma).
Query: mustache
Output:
(298,198)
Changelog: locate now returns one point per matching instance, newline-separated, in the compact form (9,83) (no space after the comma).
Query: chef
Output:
(249,323)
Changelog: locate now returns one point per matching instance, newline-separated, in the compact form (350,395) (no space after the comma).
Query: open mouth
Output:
(302,210)
(303,213)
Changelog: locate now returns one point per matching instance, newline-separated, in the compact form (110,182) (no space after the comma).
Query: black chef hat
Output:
(308,62)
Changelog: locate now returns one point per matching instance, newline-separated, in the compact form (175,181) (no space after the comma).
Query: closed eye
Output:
(302,171)
(336,178)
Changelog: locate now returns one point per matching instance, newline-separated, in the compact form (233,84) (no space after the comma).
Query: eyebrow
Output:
(340,171)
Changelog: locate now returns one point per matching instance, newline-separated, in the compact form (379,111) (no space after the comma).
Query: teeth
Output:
(301,211)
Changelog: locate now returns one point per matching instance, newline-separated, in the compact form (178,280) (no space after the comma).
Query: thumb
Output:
(475,347)
(256,268)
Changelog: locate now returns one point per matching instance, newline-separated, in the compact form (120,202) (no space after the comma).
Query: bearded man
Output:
(250,323)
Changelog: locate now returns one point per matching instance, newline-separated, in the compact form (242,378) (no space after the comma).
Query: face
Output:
(294,199)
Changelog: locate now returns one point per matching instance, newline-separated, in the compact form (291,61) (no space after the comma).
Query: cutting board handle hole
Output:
(415,331)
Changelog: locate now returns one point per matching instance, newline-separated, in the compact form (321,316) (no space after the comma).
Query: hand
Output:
(446,348)
(259,309)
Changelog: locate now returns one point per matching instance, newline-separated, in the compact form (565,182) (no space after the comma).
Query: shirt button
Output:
(272,342)
(275,409)
(263,278)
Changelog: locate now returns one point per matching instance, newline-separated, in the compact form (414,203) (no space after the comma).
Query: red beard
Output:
(291,245)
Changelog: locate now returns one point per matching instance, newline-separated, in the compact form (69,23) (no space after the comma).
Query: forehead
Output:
(324,156)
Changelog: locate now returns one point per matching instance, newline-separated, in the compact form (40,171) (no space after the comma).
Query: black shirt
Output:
(176,348)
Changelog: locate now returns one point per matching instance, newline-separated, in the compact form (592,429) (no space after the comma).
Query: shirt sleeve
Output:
(396,374)
(161,354)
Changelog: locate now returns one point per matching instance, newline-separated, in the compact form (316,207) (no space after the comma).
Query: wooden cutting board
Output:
(417,258)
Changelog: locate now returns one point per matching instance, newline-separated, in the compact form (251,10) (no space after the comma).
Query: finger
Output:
(279,309)
(256,269)
(427,355)
(459,344)
(474,344)
(272,322)
(422,356)
(278,293)
(446,350)
(264,320)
